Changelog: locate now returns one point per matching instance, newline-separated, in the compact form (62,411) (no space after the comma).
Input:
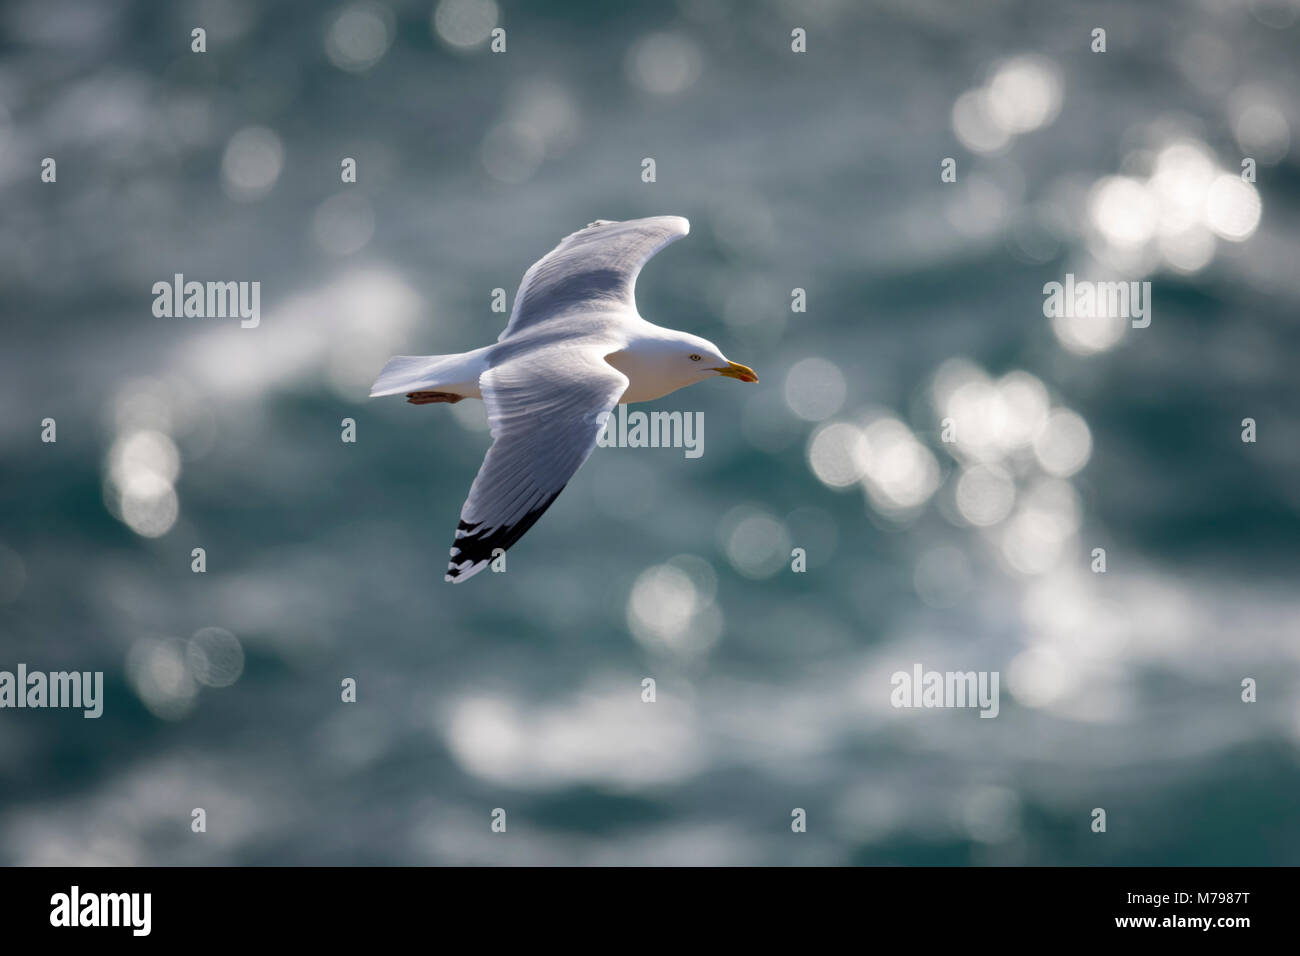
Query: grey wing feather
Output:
(546,409)
(594,267)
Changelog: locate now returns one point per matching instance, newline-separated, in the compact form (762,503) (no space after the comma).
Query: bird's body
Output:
(574,348)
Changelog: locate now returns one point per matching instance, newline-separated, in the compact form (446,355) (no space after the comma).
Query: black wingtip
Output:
(475,545)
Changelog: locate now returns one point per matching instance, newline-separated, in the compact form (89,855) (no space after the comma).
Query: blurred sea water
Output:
(924,313)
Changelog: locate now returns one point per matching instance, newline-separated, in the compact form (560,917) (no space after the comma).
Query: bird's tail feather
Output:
(414,373)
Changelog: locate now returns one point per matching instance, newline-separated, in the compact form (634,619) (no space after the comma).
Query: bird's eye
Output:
(695,358)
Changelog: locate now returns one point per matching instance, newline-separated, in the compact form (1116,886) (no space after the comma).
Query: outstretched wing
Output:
(592,268)
(546,408)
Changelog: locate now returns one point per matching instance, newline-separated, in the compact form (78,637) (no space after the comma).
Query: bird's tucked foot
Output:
(428,398)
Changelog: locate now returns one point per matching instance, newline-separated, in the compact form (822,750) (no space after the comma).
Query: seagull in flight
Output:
(573,349)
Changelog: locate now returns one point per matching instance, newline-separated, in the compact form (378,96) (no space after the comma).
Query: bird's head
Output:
(666,360)
(700,359)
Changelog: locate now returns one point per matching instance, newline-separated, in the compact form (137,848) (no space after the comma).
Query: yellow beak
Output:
(737,371)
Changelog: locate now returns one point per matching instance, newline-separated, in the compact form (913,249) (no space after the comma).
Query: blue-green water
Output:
(523,691)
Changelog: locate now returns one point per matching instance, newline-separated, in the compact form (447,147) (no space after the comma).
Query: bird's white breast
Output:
(648,374)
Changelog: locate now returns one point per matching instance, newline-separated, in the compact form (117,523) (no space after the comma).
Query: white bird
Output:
(573,349)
